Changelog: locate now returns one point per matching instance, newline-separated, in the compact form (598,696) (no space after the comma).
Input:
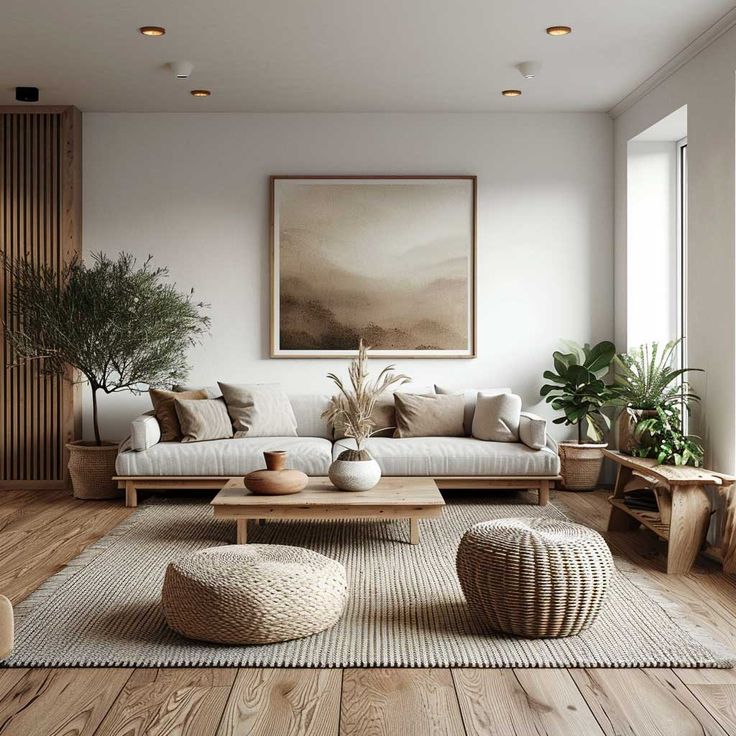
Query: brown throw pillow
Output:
(203,419)
(436,415)
(165,411)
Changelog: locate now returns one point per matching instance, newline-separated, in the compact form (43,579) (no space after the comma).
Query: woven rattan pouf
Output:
(253,594)
(534,577)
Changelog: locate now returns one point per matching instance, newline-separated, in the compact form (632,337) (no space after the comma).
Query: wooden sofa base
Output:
(133,484)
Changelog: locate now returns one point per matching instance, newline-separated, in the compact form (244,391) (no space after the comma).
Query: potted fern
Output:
(647,380)
(352,410)
(117,326)
(579,391)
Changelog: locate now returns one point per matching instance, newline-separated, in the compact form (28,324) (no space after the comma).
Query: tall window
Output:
(656,230)
(681,288)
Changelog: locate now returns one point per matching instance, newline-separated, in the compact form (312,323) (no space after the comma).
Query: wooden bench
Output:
(684,508)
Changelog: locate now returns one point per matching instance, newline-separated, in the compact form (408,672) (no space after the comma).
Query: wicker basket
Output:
(534,577)
(580,465)
(91,468)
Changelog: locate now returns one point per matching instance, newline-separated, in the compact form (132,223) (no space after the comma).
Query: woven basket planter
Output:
(535,577)
(580,465)
(253,594)
(91,468)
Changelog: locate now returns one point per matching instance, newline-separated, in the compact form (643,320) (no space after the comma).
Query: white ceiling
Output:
(341,55)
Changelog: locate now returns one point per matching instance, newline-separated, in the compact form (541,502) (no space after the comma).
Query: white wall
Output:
(652,243)
(192,189)
(706,86)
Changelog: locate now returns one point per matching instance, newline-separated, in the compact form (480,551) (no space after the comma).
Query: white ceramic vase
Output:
(359,474)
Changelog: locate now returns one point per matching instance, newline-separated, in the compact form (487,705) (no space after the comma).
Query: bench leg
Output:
(543,492)
(131,494)
(690,517)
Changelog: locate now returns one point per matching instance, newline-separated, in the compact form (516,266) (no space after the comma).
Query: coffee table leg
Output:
(414,531)
(242,536)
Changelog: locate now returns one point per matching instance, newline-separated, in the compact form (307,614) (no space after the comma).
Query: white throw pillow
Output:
(259,410)
(496,417)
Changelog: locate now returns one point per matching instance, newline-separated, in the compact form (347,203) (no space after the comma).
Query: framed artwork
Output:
(389,259)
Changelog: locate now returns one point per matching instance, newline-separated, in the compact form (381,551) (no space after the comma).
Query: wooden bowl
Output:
(275,482)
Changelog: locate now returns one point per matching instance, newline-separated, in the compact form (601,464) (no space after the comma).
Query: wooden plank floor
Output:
(41,531)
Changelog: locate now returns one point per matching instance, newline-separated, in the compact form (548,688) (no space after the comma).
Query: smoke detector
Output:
(182,69)
(529,69)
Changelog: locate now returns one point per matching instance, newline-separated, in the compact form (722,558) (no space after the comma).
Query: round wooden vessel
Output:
(275,480)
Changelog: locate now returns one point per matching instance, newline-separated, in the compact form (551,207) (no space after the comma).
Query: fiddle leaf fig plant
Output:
(578,388)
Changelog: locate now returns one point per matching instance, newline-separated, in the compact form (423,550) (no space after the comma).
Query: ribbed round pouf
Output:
(253,594)
(534,577)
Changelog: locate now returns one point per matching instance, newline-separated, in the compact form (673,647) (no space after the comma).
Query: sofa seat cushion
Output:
(462,456)
(229,457)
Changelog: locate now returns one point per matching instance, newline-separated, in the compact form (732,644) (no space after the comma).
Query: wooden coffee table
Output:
(392,498)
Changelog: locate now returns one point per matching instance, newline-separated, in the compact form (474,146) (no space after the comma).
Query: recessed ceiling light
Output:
(200,93)
(152,30)
(559,30)
(511,93)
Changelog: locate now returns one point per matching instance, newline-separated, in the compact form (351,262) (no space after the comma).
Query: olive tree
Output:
(122,326)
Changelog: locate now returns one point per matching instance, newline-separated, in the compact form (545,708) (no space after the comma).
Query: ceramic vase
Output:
(276,480)
(354,470)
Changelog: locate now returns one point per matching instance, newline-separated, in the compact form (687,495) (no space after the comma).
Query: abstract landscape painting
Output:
(389,260)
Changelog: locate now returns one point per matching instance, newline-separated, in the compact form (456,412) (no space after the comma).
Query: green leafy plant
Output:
(578,388)
(662,438)
(353,407)
(118,325)
(647,379)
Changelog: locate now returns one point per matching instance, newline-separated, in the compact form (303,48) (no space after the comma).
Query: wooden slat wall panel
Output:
(40,215)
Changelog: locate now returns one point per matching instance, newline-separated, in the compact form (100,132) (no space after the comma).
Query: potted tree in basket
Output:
(646,381)
(352,410)
(116,326)
(578,389)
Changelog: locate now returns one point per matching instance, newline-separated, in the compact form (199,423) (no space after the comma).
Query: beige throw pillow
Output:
(165,411)
(496,418)
(435,415)
(259,410)
(203,419)
(471,396)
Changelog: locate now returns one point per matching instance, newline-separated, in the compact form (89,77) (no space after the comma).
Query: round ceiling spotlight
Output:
(152,30)
(200,93)
(559,30)
(511,93)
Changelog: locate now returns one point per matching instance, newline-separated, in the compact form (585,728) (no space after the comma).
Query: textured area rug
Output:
(405,607)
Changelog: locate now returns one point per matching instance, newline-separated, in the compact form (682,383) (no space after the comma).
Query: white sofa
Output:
(145,463)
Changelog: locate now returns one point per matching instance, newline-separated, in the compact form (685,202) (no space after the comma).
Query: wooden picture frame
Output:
(390,259)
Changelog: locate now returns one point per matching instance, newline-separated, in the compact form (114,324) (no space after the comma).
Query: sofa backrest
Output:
(308,410)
